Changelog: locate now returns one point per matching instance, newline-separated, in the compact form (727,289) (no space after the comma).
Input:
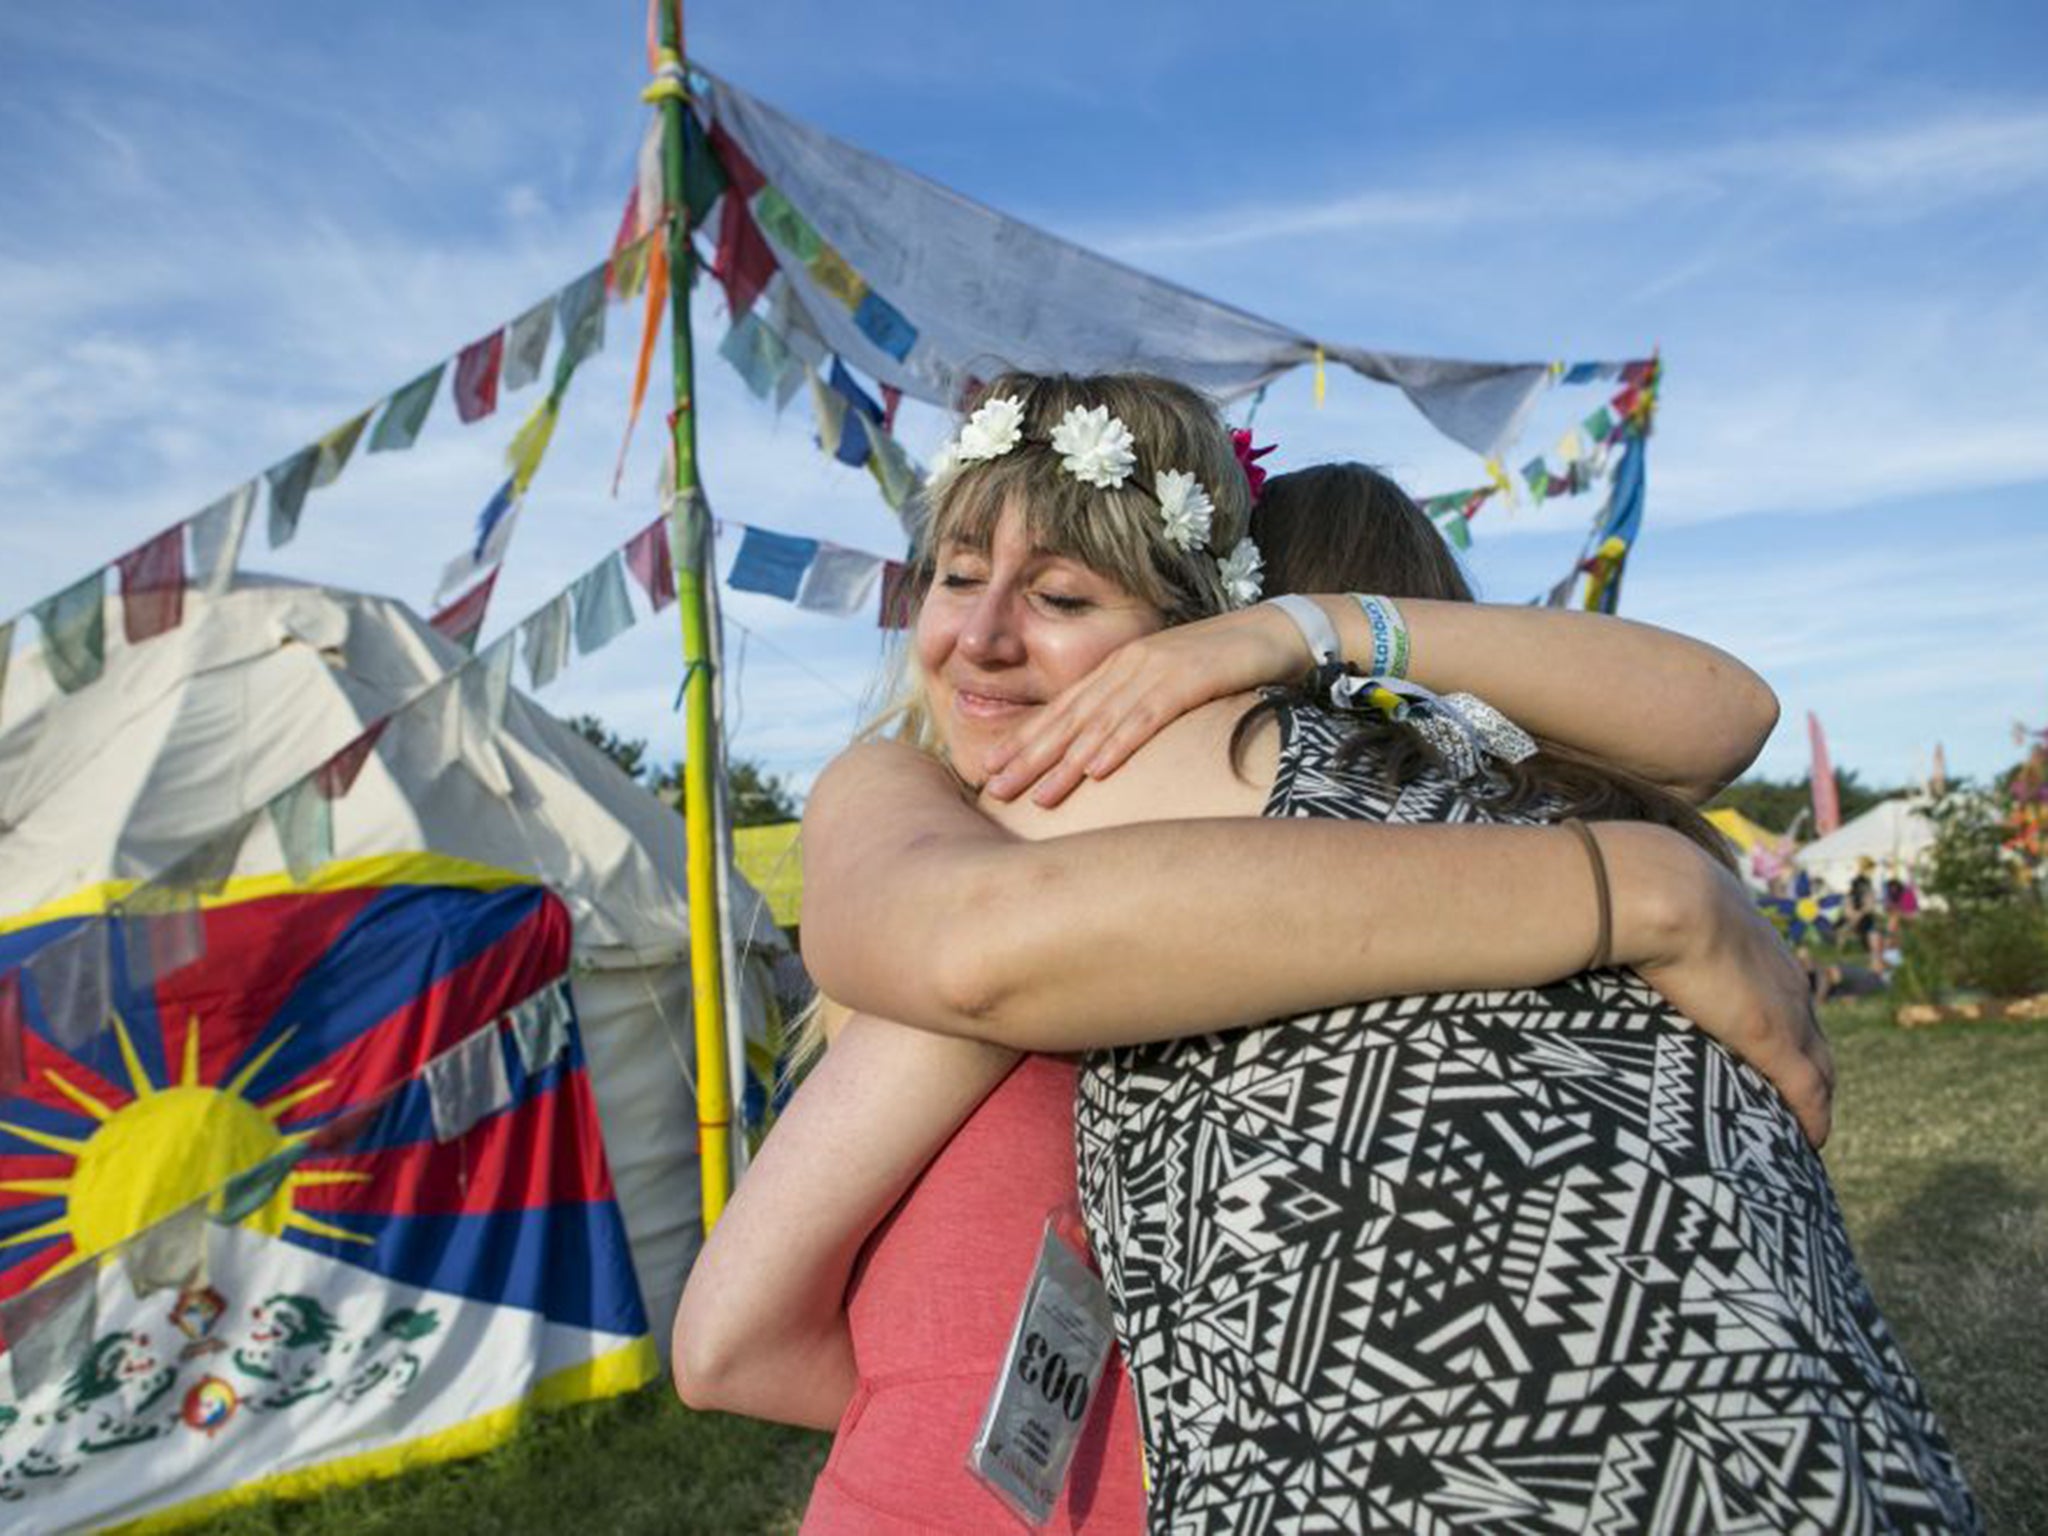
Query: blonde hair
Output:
(1118,533)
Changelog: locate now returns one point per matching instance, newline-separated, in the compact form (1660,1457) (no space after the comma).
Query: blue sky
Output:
(226,227)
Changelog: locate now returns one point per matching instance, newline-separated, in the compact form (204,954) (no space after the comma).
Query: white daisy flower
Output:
(1243,574)
(993,430)
(1094,447)
(1185,507)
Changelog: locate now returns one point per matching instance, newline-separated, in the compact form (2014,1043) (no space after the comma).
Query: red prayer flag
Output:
(891,398)
(1827,800)
(744,260)
(476,377)
(896,595)
(463,619)
(647,557)
(153,586)
(739,170)
(337,776)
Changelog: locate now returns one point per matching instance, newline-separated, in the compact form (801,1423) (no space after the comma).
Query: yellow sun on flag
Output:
(171,1144)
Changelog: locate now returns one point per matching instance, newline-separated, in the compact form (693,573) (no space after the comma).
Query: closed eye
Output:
(1060,602)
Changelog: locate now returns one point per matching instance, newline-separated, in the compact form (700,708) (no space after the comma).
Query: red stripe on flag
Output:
(544,1151)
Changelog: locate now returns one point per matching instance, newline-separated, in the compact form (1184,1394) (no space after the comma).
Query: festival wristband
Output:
(1317,632)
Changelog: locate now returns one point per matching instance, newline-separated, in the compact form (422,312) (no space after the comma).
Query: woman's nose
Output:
(990,636)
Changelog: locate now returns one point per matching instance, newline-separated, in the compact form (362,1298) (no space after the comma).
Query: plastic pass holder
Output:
(1050,1374)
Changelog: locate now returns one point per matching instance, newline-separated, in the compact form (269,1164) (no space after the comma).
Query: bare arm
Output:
(1673,710)
(762,1326)
(1146,932)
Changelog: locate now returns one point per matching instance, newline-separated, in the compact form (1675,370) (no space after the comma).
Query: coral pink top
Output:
(931,1307)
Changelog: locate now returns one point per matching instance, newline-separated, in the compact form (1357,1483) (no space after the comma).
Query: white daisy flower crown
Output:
(1097,449)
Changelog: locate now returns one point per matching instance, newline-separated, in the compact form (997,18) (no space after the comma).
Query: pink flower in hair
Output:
(1247,460)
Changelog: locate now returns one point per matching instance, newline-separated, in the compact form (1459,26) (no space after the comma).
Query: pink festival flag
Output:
(1827,801)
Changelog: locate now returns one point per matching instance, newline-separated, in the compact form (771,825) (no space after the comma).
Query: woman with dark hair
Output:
(1045,558)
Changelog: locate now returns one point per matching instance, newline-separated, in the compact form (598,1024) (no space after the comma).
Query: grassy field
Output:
(1941,1157)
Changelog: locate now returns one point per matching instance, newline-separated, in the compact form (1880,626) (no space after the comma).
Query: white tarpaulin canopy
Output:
(1892,835)
(195,730)
(986,291)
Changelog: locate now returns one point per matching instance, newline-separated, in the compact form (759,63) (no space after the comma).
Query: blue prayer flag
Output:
(854,447)
(773,562)
(883,324)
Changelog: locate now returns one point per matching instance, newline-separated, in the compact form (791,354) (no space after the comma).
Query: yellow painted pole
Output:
(689,531)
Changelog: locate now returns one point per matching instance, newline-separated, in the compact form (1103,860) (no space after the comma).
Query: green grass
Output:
(642,1465)
(1940,1154)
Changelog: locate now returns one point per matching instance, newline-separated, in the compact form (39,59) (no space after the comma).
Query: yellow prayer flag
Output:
(1322,384)
(335,449)
(833,275)
(1501,483)
(530,445)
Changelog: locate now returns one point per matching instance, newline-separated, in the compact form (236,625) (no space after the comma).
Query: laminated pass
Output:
(1049,1377)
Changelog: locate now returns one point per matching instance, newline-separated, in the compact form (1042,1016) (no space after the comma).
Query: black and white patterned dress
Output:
(1522,1261)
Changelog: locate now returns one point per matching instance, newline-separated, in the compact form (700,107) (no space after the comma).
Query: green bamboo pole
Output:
(689,531)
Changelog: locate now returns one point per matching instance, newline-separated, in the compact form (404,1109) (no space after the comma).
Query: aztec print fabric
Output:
(1525,1261)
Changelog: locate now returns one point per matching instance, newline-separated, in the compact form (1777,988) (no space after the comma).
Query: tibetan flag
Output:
(648,558)
(74,626)
(771,562)
(1827,798)
(335,449)
(400,424)
(290,479)
(476,377)
(526,344)
(381,1284)
(463,620)
(153,586)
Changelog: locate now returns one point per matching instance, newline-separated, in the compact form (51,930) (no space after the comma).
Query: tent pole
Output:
(690,540)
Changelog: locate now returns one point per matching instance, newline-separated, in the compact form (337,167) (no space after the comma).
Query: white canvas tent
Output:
(194,730)
(1893,835)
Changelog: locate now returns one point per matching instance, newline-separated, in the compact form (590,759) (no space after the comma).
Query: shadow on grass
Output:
(1958,1266)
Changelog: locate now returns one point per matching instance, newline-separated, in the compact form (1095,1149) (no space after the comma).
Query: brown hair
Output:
(1347,527)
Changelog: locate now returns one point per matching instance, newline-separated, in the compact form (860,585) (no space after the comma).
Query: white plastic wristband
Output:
(1315,626)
